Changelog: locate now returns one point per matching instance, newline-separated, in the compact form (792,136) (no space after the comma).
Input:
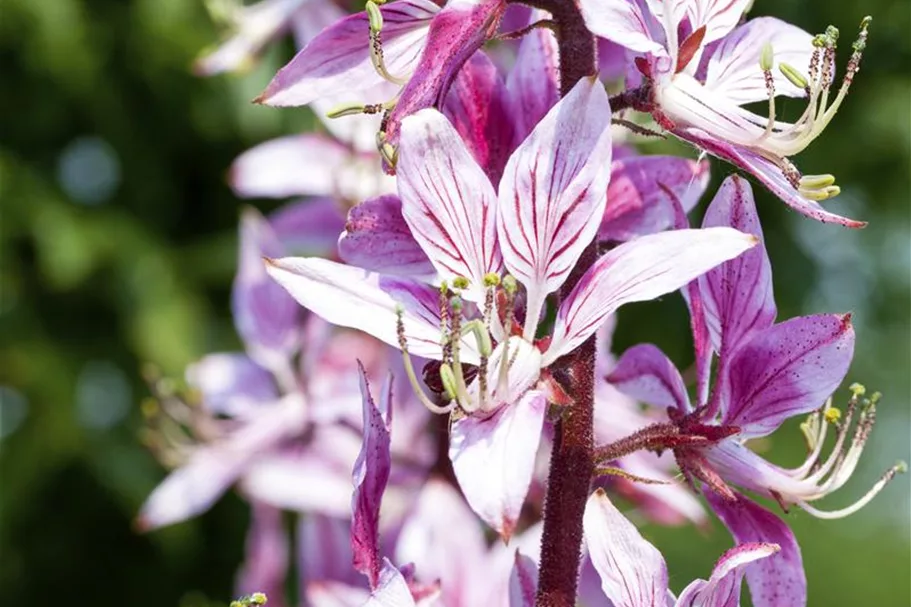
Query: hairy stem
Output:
(571,469)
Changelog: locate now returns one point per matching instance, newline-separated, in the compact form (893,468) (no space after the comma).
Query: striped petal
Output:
(640,270)
(733,69)
(554,183)
(371,473)
(623,22)
(644,190)
(351,297)
(494,459)
(787,370)
(778,580)
(447,200)
(377,238)
(646,374)
(632,571)
(338,62)
(478,107)
(737,296)
(534,81)
(723,588)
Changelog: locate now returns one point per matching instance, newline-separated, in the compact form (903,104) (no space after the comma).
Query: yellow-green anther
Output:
(491,279)
(874,398)
(460,282)
(449,381)
(857,389)
(819,195)
(794,76)
(832,414)
(816,182)
(374,16)
(901,466)
(346,109)
(766,57)
(509,284)
(485,346)
(389,154)
(832,33)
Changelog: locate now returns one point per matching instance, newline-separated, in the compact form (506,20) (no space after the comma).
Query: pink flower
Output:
(766,373)
(535,227)
(701,67)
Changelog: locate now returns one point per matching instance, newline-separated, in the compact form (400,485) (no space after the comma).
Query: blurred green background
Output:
(118,247)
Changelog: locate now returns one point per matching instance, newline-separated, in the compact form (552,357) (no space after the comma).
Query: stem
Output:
(571,469)
(571,462)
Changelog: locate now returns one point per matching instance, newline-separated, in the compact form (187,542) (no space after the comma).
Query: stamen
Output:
(464,401)
(899,467)
(510,287)
(375,17)
(794,76)
(409,368)
(765,62)
(621,473)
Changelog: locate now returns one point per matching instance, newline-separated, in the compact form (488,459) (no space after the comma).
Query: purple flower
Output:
(766,373)
(535,227)
(701,67)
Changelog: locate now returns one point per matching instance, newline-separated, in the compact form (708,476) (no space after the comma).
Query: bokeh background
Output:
(118,248)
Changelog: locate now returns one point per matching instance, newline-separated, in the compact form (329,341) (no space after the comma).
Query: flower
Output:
(701,69)
(535,227)
(633,573)
(767,372)
(273,419)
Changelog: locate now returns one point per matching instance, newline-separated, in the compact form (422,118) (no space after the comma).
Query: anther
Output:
(460,282)
(815,182)
(832,415)
(766,57)
(491,279)
(449,381)
(374,16)
(793,75)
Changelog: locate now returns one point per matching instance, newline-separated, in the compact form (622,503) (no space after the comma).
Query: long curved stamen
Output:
(464,400)
(899,467)
(375,18)
(409,368)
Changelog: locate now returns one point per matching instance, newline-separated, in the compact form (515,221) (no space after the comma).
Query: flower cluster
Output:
(470,227)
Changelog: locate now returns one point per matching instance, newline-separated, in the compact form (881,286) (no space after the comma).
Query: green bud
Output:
(374,16)
(766,57)
(794,76)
